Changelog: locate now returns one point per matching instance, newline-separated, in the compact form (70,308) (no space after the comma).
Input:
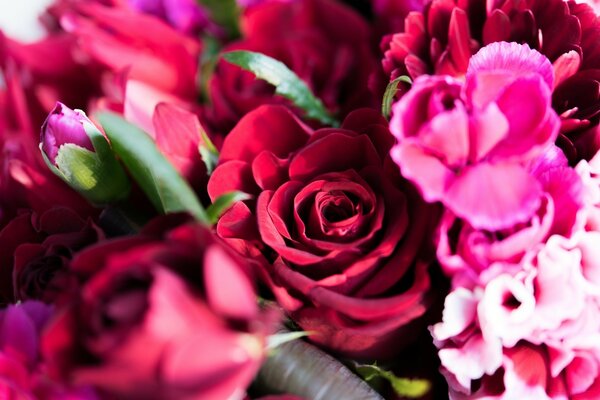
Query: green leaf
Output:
(163,185)
(208,152)
(225,13)
(223,203)
(208,62)
(412,388)
(390,92)
(286,82)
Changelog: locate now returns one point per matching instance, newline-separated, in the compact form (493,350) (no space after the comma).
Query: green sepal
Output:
(390,92)
(404,387)
(167,190)
(208,152)
(96,175)
(286,82)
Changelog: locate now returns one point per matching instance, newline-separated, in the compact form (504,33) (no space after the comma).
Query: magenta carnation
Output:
(466,250)
(442,38)
(495,130)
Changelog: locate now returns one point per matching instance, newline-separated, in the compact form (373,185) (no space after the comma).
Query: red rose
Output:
(325,43)
(35,250)
(169,316)
(344,233)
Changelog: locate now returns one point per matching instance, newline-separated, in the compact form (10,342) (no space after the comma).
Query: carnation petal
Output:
(494,196)
(514,58)
(429,174)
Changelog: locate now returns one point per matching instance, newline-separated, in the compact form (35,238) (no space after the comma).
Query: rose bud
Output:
(77,152)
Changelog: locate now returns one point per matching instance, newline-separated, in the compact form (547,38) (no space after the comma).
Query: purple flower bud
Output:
(63,126)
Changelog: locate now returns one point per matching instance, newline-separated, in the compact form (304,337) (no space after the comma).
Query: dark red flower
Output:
(35,251)
(344,234)
(442,38)
(35,76)
(160,315)
(325,43)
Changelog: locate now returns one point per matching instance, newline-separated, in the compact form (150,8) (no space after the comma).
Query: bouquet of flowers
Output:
(300,199)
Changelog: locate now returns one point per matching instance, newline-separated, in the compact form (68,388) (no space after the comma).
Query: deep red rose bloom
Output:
(159,316)
(442,38)
(325,43)
(35,250)
(342,231)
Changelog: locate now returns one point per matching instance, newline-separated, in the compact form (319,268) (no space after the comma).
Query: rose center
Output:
(338,212)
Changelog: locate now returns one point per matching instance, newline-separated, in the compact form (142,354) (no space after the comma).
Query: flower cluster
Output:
(412,185)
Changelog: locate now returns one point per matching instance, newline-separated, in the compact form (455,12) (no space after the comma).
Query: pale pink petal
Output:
(493,196)
(451,145)
(505,310)
(489,128)
(430,175)
(470,362)
(559,295)
(228,290)
(460,310)
(589,245)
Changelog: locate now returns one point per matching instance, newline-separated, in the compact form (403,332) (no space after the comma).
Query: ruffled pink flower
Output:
(467,250)
(460,144)
(533,333)
(590,174)
(442,38)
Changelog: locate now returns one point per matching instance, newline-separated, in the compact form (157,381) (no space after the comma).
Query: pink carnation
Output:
(590,174)
(462,143)
(533,333)
(465,249)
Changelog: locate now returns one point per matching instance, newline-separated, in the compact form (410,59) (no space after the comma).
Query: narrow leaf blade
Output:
(404,387)
(223,203)
(286,82)
(163,185)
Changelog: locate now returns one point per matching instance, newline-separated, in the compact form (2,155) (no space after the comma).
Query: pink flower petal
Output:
(494,196)
(228,290)
(429,174)
(514,58)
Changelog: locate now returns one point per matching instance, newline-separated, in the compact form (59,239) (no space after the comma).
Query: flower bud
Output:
(63,126)
(77,152)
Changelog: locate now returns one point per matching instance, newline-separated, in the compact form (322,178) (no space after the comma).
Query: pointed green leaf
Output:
(390,92)
(166,189)
(208,61)
(404,387)
(286,82)
(208,152)
(223,203)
